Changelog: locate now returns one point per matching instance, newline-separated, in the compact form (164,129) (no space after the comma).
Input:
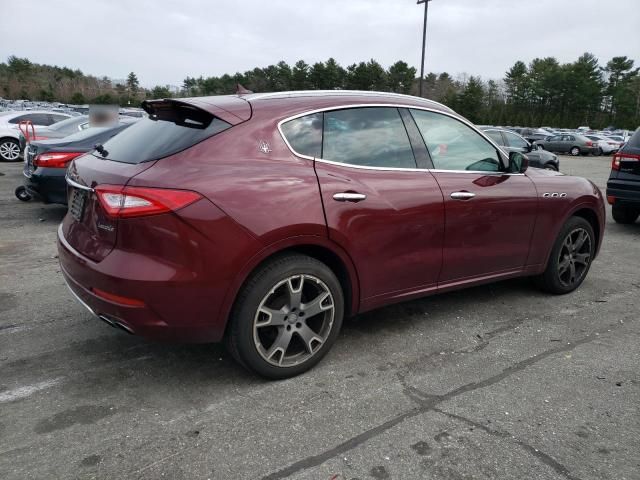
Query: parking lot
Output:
(499,381)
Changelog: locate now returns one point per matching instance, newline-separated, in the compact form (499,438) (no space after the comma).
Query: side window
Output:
(304,134)
(516,141)
(367,136)
(19,119)
(496,136)
(455,146)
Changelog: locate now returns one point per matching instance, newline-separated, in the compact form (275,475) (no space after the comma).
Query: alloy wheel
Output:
(293,320)
(9,150)
(574,258)
(575,151)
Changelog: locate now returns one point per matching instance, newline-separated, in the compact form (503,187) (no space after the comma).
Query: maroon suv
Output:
(265,219)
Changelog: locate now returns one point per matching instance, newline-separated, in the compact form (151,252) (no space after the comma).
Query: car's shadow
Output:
(129,360)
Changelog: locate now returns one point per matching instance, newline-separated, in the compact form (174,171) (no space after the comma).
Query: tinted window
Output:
(20,118)
(304,134)
(41,119)
(69,125)
(516,141)
(496,136)
(171,129)
(454,145)
(373,137)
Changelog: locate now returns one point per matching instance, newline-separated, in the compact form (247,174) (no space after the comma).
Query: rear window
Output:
(69,125)
(169,129)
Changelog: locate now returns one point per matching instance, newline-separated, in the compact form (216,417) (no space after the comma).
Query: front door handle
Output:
(349,197)
(462,195)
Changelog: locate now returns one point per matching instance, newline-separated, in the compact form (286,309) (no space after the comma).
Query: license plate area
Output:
(77,203)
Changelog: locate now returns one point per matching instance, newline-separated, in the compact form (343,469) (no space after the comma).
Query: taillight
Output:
(126,202)
(589,143)
(55,160)
(623,157)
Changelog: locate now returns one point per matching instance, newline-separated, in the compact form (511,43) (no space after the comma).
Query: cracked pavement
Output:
(497,381)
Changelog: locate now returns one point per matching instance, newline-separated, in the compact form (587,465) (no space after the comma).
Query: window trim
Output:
(501,152)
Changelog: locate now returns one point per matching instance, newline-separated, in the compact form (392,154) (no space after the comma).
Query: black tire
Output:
(550,166)
(558,281)
(22,194)
(574,151)
(9,150)
(265,283)
(624,215)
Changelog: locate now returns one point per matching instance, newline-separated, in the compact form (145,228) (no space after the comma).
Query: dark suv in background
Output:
(623,187)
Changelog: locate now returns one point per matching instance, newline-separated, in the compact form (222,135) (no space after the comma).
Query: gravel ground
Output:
(498,381)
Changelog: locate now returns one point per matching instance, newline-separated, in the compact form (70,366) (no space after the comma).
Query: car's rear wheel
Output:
(570,258)
(575,151)
(624,215)
(9,150)
(286,317)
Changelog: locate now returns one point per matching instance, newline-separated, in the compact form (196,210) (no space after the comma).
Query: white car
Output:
(606,145)
(10,133)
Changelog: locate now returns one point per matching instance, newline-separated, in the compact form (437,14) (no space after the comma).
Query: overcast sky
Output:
(165,40)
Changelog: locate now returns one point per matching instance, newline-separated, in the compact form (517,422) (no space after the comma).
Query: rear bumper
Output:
(624,192)
(147,320)
(47,185)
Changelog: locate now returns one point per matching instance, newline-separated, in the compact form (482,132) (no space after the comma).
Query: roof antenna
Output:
(240,90)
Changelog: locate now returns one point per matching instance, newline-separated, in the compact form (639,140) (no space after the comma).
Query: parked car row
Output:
(574,142)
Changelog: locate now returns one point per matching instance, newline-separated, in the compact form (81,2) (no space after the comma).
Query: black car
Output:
(512,142)
(46,161)
(623,187)
(533,134)
(58,130)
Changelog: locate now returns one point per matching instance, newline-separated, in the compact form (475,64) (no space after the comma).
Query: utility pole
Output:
(424,42)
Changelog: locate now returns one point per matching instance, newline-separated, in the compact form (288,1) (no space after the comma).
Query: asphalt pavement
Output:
(499,381)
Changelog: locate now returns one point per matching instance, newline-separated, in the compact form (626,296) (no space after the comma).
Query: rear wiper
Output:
(101,150)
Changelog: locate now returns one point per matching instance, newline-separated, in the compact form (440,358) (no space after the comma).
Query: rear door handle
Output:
(349,197)
(462,195)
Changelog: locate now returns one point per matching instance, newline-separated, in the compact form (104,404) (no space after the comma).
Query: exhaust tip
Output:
(116,324)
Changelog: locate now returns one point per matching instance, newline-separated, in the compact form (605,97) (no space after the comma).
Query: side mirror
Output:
(518,163)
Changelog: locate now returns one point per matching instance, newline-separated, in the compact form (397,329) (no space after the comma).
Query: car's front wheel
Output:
(624,215)
(570,257)
(9,150)
(286,317)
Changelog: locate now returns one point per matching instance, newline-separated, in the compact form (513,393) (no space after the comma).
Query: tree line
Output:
(544,92)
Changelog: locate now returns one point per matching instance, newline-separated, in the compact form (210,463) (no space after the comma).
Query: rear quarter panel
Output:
(553,212)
